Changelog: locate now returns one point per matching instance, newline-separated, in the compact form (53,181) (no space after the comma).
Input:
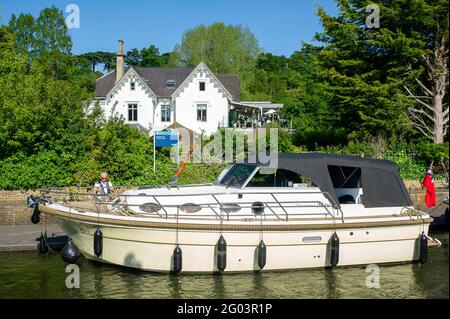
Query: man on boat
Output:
(103,186)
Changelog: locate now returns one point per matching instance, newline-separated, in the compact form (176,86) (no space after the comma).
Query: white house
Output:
(157,98)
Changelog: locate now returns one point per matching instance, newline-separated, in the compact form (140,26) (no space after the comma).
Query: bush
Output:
(43,169)
(408,166)
(314,139)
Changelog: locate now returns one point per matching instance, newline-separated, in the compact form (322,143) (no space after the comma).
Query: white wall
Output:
(159,125)
(118,102)
(190,96)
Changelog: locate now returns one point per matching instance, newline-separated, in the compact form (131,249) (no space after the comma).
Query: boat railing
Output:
(121,201)
(127,187)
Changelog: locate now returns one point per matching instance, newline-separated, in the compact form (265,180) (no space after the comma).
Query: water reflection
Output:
(331,284)
(175,286)
(31,275)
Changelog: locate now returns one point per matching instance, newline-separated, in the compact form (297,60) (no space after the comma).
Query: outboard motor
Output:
(423,250)
(334,250)
(177,259)
(261,254)
(98,242)
(221,254)
(70,252)
(42,244)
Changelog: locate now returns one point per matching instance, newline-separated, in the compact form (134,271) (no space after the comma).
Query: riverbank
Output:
(23,237)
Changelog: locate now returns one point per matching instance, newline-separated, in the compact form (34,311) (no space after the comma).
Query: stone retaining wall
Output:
(13,208)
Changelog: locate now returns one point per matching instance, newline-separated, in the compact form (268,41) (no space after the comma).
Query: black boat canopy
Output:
(380,179)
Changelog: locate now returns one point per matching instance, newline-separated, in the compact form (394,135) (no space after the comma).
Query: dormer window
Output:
(170,84)
(201,86)
(132,86)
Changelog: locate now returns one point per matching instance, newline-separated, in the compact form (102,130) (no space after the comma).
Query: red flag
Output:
(428,183)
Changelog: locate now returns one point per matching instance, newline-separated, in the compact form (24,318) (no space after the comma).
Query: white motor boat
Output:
(311,210)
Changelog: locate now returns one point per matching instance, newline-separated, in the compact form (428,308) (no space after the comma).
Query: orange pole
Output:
(183,163)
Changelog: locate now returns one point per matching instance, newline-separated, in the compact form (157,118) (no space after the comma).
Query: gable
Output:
(156,78)
(130,76)
(203,71)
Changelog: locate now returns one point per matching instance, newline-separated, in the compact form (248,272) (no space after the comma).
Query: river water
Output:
(30,275)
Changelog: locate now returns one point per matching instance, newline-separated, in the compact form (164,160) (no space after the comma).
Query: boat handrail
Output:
(170,215)
(332,201)
(277,202)
(221,207)
(284,210)
(132,186)
(211,206)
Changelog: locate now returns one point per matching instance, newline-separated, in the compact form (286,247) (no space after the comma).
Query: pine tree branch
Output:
(420,124)
(421,112)
(424,87)
(417,98)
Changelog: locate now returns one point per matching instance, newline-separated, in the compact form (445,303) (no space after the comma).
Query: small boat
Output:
(309,210)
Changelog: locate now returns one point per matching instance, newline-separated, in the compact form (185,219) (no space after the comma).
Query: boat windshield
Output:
(236,175)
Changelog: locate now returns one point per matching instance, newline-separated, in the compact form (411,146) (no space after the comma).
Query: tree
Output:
(51,33)
(24,29)
(133,57)
(430,114)
(224,48)
(45,38)
(107,59)
(151,57)
(37,112)
(367,69)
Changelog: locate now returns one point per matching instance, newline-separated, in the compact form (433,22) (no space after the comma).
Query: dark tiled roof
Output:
(231,82)
(105,84)
(156,79)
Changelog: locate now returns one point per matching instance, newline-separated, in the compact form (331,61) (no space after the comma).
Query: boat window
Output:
(345,176)
(237,175)
(347,184)
(275,178)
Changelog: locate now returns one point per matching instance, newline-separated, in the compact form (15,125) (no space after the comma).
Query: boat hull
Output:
(151,248)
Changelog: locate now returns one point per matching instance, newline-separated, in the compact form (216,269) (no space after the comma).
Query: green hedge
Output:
(413,159)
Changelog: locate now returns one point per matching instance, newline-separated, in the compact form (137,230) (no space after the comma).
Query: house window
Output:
(170,84)
(132,113)
(201,86)
(165,113)
(201,112)
(132,86)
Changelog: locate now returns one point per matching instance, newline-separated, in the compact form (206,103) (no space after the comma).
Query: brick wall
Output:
(13,208)
(14,211)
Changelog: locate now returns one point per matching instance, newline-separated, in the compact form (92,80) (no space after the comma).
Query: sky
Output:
(279,25)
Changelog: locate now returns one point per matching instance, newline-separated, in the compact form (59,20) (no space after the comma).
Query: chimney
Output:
(120,62)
